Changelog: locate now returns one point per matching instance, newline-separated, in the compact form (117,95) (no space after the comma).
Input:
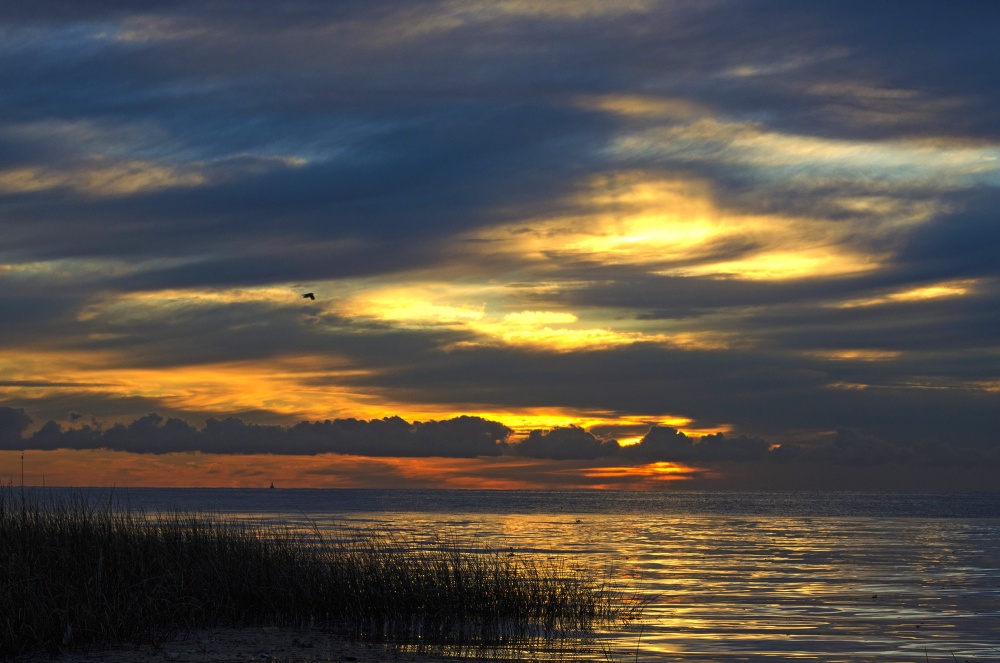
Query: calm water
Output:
(736,576)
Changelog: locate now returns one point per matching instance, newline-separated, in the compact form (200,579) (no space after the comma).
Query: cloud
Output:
(566,443)
(781,155)
(13,422)
(742,218)
(461,437)
(566,453)
(98,179)
(663,443)
(958,244)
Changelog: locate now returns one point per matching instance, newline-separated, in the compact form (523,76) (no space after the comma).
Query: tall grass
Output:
(75,573)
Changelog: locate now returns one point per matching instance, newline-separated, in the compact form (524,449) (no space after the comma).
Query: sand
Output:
(247,645)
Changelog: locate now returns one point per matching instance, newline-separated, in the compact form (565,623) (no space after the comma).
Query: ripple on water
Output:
(731,577)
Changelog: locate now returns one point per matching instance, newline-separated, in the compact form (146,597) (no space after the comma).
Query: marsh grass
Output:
(77,572)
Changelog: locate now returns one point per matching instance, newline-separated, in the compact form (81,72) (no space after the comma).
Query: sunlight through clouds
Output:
(675,228)
(807,262)
(775,221)
(641,475)
(414,306)
(551,331)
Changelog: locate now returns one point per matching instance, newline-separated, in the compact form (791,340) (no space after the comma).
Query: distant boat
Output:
(272,485)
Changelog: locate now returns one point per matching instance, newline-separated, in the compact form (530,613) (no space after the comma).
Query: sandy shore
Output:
(258,645)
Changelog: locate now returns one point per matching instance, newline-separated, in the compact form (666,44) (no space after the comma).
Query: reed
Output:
(77,573)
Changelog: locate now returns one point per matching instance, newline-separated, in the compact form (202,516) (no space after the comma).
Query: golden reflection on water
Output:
(743,588)
(766,588)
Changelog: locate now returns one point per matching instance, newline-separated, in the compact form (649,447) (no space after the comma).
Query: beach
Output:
(242,645)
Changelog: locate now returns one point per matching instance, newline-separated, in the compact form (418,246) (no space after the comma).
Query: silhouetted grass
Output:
(75,574)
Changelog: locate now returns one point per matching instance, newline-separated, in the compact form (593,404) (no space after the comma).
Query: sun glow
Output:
(65,467)
(675,227)
(640,476)
(555,331)
(524,420)
(484,312)
(415,311)
(806,263)
(286,389)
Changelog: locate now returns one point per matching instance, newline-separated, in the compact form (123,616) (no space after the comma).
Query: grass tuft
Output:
(76,574)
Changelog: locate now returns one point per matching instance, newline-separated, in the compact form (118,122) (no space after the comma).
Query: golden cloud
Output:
(100,178)
(951,288)
(674,227)
(478,310)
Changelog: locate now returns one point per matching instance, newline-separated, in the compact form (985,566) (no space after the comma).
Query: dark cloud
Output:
(566,443)
(460,437)
(12,424)
(25,317)
(218,144)
(663,443)
(472,437)
(962,244)
(409,138)
(836,70)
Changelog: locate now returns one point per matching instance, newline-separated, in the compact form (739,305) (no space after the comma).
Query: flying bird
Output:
(309,295)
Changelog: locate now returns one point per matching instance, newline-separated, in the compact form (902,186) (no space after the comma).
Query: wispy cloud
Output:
(99,179)
(769,221)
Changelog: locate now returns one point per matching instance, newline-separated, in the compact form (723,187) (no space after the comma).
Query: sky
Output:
(561,243)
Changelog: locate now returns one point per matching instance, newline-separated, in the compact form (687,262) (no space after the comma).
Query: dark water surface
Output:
(735,576)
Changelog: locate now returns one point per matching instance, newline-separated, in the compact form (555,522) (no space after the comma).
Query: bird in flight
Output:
(309,295)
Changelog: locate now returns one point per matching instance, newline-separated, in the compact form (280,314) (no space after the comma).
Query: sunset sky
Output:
(710,243)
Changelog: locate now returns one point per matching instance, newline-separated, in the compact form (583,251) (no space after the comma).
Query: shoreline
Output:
(246,644)
(78,575)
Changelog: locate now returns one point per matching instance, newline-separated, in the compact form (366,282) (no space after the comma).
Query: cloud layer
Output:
(469,437)
(760,220)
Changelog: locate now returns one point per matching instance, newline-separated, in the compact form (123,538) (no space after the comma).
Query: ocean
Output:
(730,576)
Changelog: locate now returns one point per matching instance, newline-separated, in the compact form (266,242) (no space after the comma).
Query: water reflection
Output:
(765,588)
(730,578)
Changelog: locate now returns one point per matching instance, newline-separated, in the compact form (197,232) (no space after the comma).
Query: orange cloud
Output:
(279,385)
(194,470)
